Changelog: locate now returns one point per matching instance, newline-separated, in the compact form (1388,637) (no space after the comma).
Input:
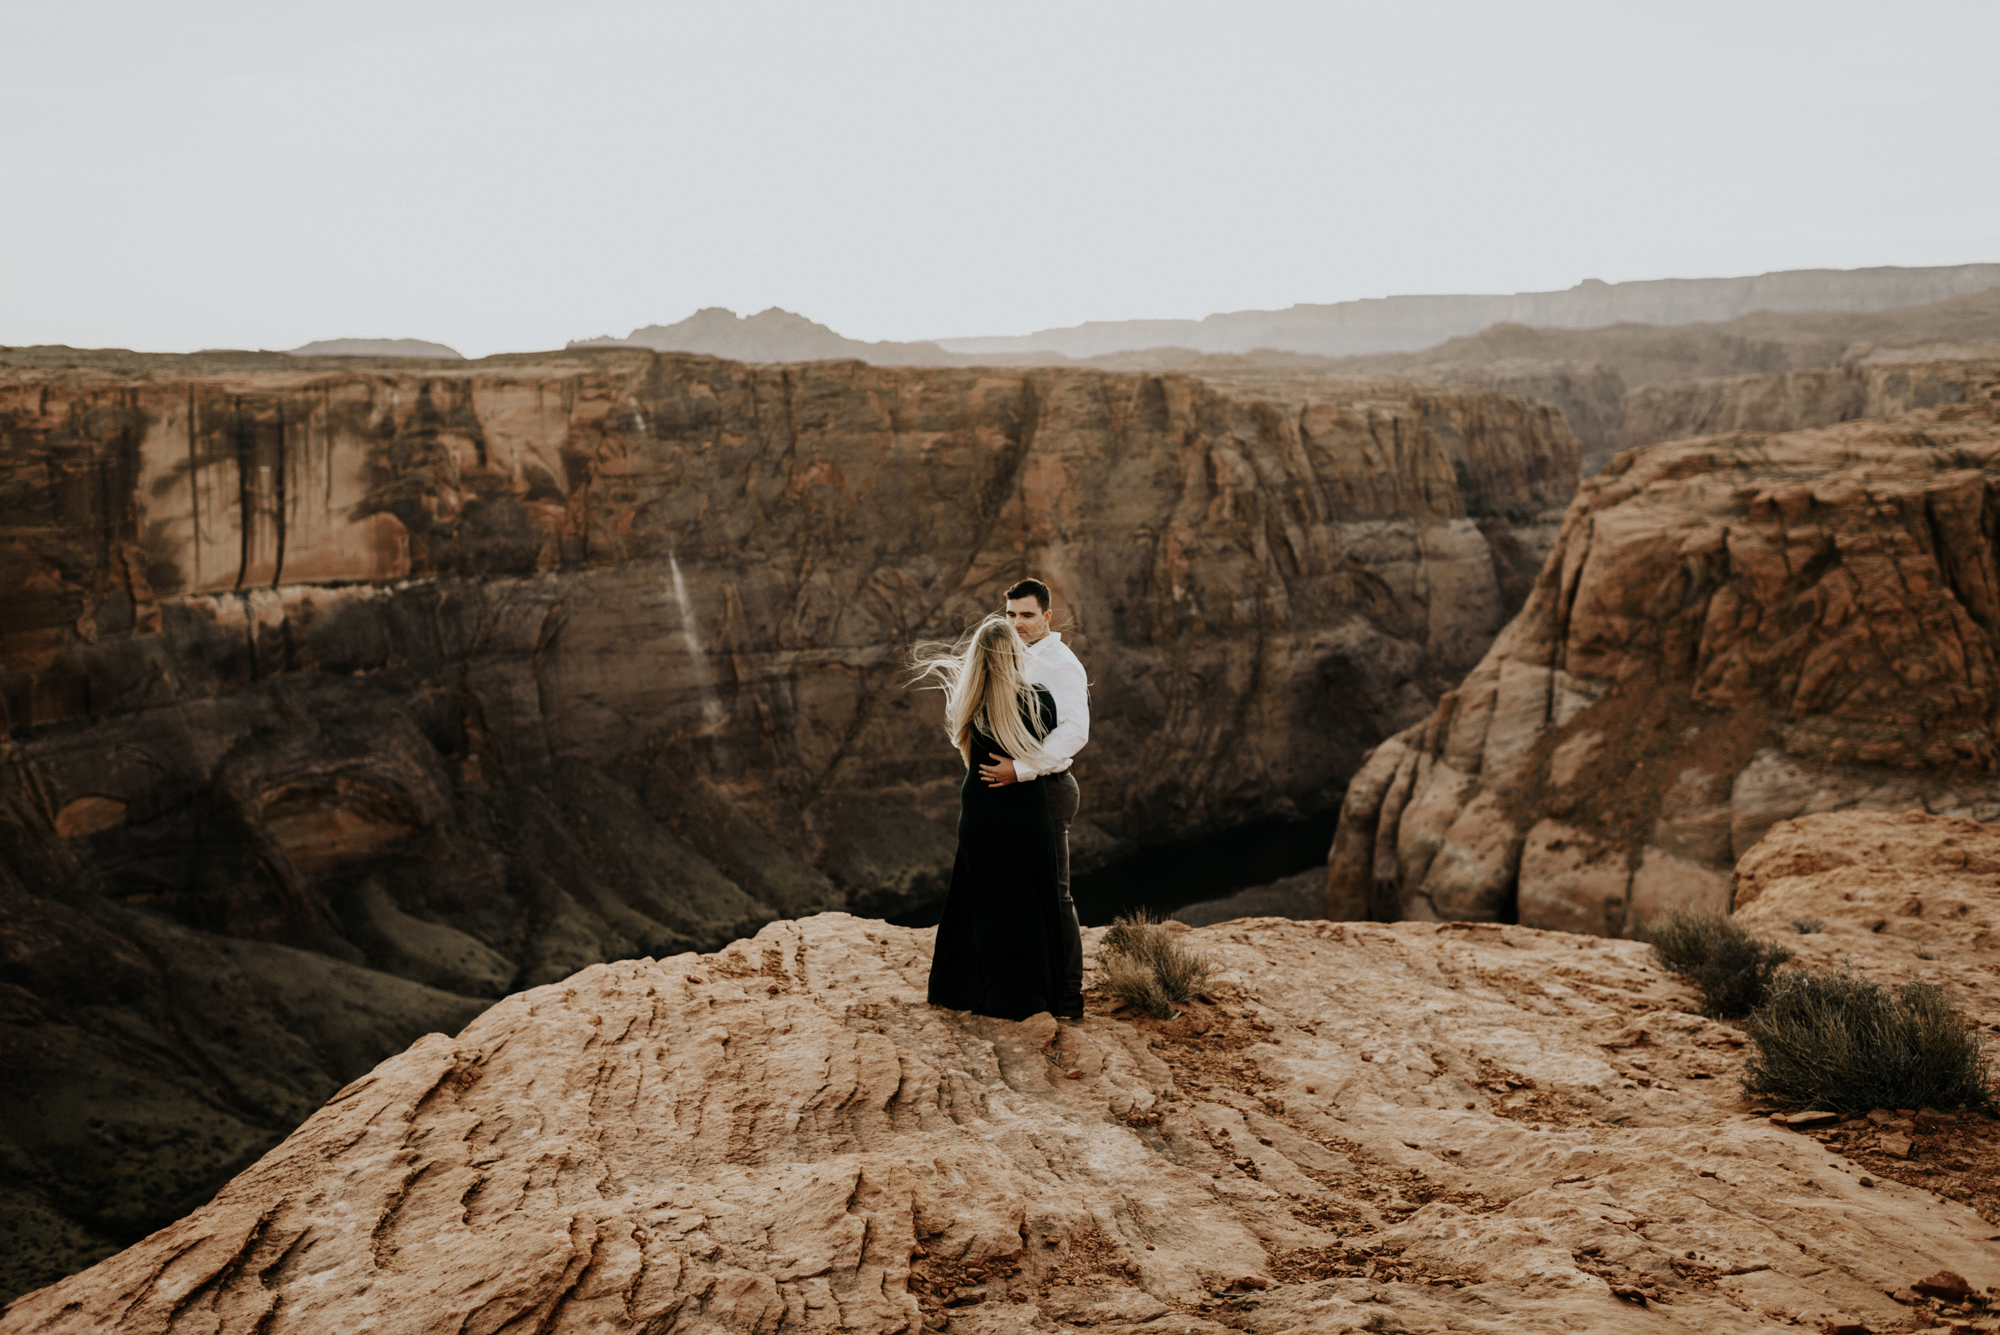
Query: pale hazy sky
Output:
(503,177)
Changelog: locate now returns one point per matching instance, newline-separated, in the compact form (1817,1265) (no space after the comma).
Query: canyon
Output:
(344,695)
(1357,1127)
(1610,381)
(342,698)
(1730,631)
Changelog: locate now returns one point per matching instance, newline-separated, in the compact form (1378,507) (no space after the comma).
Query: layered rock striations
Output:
(1730,631)
(341,700)
(1415,1127)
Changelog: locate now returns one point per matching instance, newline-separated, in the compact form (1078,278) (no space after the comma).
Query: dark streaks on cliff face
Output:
(194,480)
(278,501)
(449,727)
(245,441)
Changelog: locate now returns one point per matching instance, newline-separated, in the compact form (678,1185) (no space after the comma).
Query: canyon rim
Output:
(345,697)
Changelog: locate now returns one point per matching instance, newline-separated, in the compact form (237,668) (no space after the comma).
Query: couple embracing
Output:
(1017,708)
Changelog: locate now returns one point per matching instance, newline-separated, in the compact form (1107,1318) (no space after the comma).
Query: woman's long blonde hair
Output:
(984,677)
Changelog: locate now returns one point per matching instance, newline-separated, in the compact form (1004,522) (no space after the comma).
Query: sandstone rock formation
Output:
(1901,896)
(341,700)
(1730,632)
(1415,1127)
(1399,324)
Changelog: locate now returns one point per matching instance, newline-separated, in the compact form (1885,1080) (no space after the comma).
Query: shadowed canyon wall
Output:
(1730,631)
(341,698)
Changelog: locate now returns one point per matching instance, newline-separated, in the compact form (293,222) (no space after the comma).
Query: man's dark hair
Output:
(1031,588)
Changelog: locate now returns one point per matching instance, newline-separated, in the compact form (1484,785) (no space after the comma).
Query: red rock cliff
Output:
(1729,632)
(344,697)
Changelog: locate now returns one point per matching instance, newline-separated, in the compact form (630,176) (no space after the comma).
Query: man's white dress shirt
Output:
(1053,664)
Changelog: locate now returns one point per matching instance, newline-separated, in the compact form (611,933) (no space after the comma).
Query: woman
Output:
(999,945)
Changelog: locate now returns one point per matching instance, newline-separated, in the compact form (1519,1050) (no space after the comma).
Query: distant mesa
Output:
(772,335)
(377,347)
(1406,324)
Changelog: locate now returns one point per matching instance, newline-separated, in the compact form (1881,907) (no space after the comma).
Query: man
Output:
(1052,664)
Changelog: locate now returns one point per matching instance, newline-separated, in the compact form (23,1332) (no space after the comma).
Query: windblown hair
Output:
(984,677)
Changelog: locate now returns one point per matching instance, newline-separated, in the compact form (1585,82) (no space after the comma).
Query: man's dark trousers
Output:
(1064,799)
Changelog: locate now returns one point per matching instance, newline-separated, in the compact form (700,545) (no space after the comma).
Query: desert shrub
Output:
(1840,1042)
(1134,983)
(1729,967)
(1808,926)
(1147,967)
(1128,931)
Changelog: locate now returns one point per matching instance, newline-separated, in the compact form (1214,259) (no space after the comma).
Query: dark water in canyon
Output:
(1164,877)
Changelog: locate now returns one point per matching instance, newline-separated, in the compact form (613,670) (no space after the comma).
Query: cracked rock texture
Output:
(1730,631)
(341,699)
(1902,896)
(1413,1126)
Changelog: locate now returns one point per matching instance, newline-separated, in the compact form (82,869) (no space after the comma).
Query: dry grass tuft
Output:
(1731,968)
(1148,968)
(1840,1042)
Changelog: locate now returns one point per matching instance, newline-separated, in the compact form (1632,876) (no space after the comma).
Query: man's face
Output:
(1030,621)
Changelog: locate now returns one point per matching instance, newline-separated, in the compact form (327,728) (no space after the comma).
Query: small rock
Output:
(1816,1117)
(1881,1115)
(967,1297)
(1837,1325)
(1626,1293)
(1946,1286)
(1867,1181)
(1895,1145)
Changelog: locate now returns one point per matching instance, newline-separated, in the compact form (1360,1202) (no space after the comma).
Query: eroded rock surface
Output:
(1730,632)
(1901,896)
(1415,1126)
(455,678)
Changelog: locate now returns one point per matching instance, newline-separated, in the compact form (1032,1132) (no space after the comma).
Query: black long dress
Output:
(999,944)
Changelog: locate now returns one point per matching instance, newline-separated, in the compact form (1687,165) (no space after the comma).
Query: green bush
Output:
(1729,967)
(1840,1042)
(1147,967)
